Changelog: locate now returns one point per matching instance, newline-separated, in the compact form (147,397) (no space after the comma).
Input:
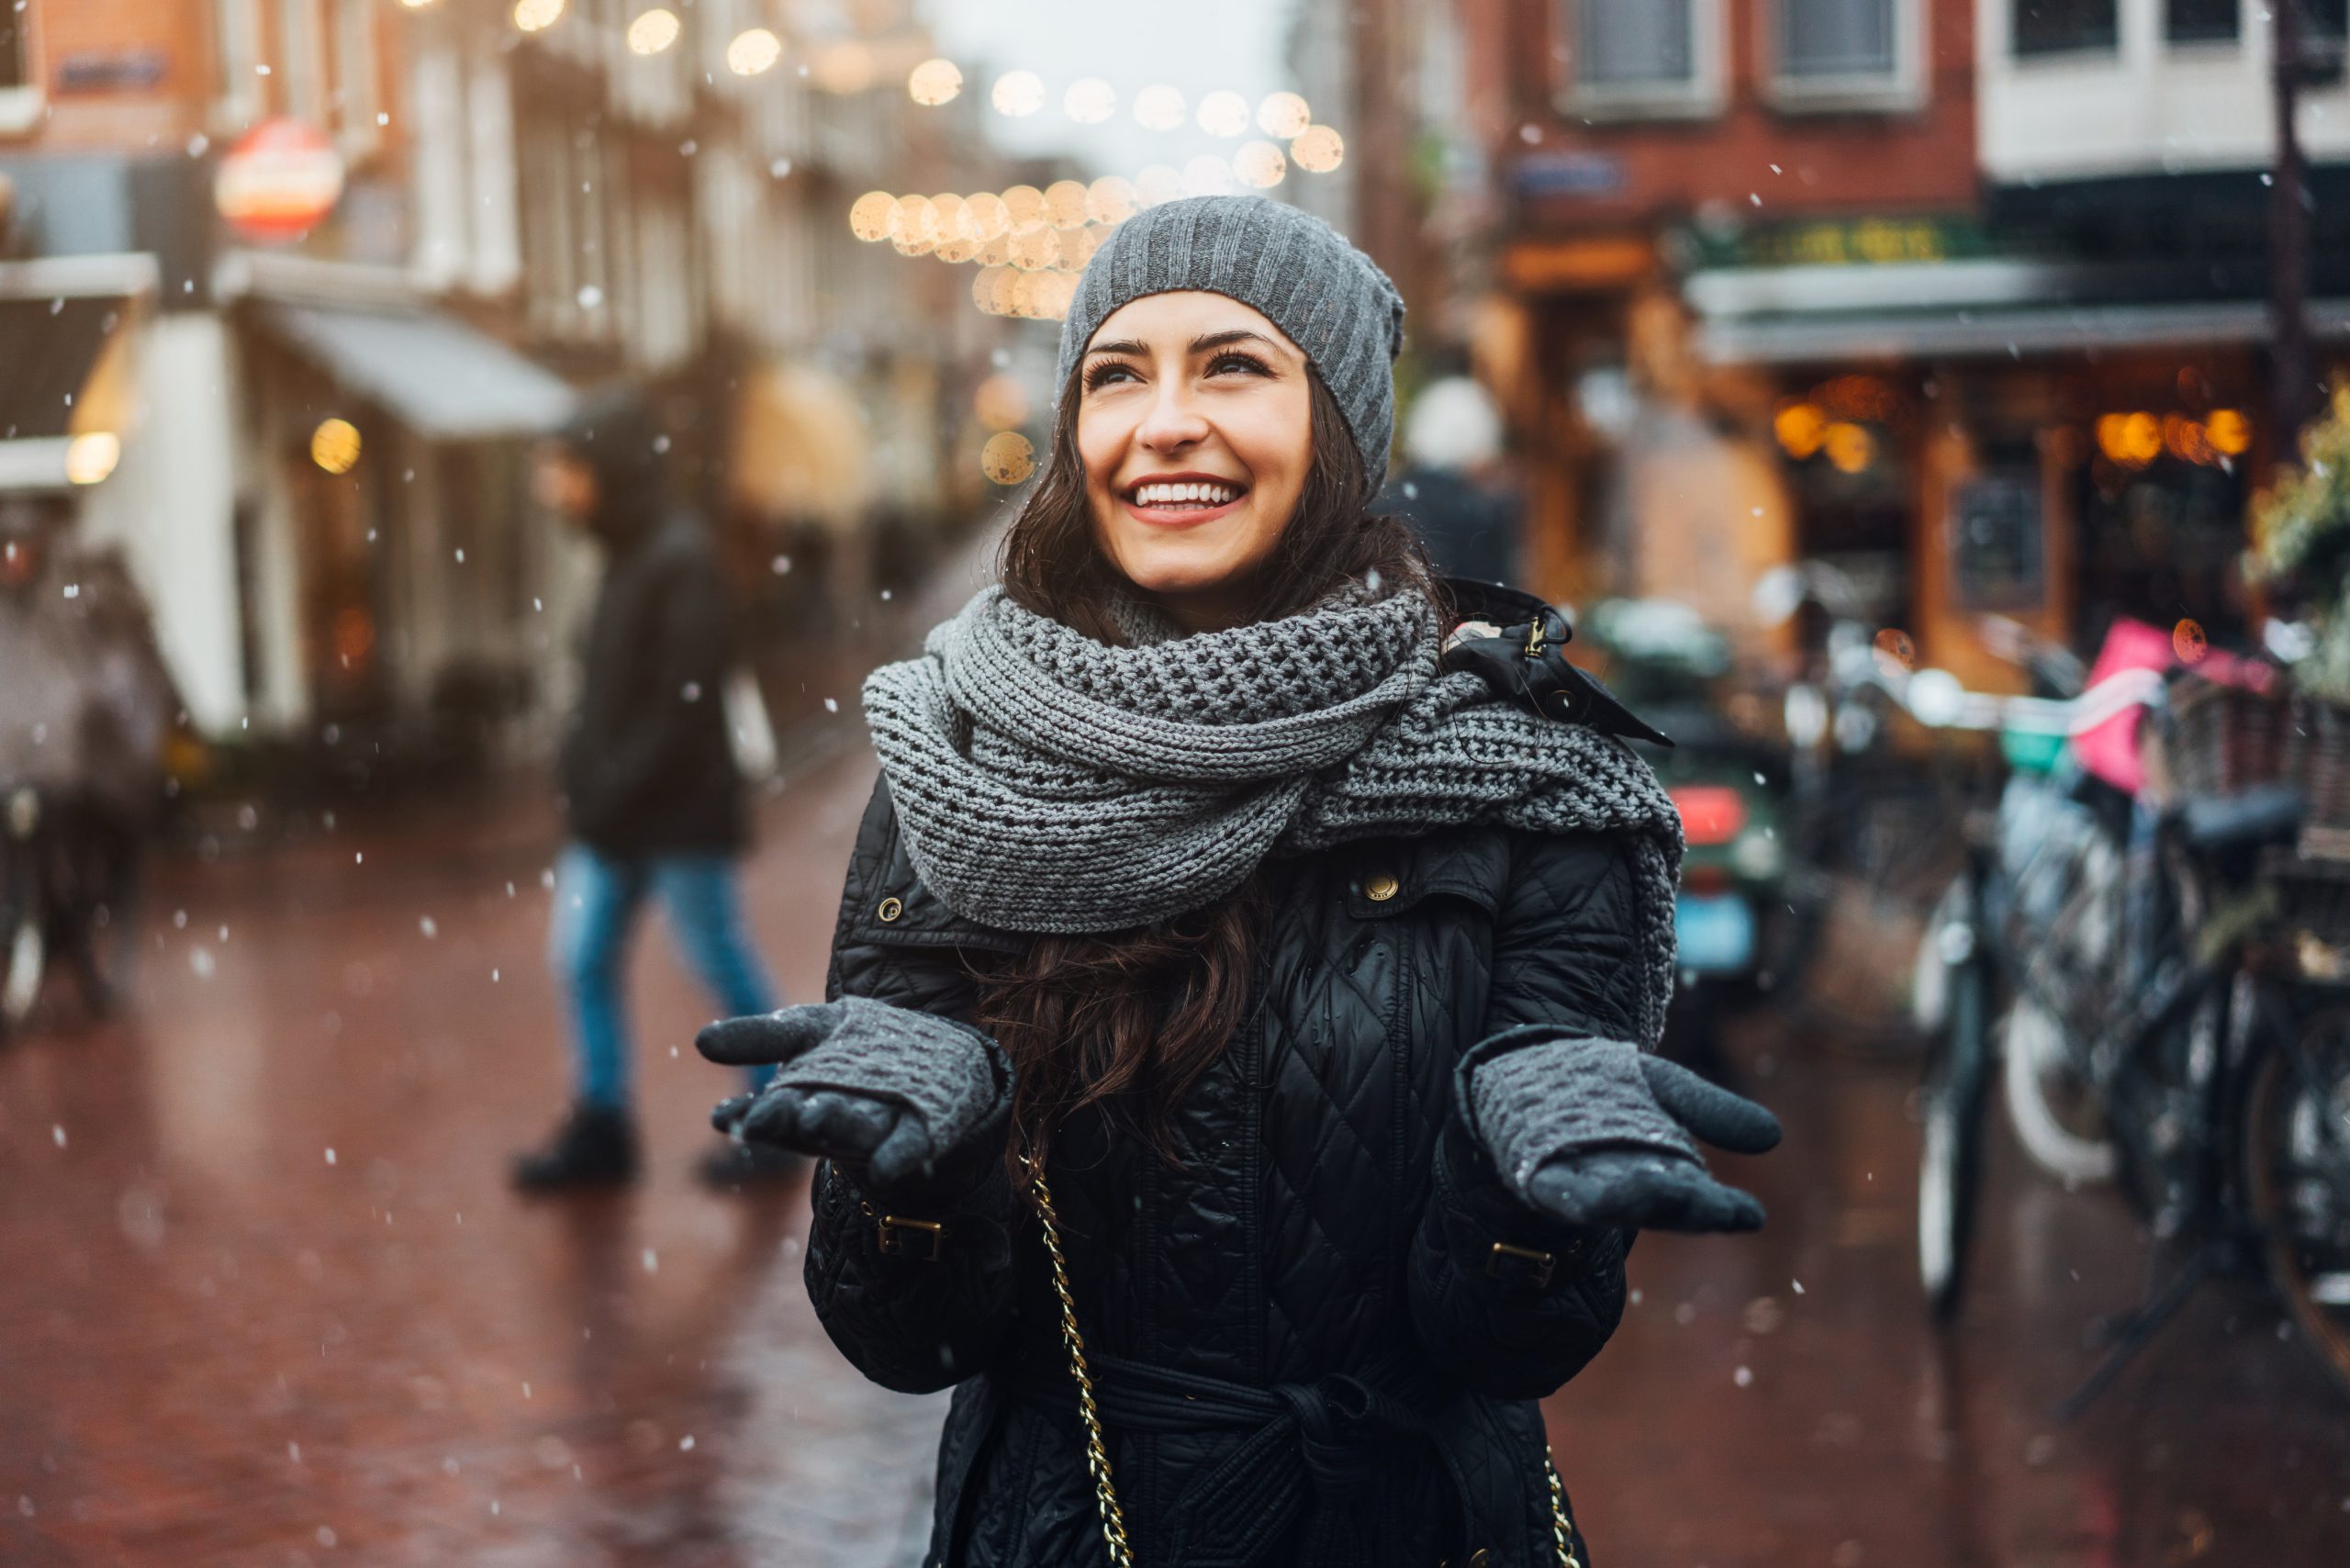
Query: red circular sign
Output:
(279,181)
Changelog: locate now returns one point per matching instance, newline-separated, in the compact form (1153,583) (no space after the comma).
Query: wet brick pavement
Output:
(267,1301)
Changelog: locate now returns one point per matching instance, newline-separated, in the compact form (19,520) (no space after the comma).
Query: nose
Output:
(1173,421)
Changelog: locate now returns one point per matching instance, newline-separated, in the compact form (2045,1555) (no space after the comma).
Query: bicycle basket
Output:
(2222,740)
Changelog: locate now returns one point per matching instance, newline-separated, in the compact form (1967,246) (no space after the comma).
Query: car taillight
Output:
(1710,813)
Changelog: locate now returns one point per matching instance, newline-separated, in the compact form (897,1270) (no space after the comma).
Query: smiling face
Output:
(1195,422)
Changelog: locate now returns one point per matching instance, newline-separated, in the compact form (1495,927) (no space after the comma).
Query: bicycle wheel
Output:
(2057,1114)
(1950,1168)
(2295,1146)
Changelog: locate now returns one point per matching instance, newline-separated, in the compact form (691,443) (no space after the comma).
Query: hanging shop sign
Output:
(1999,544)
(279,182)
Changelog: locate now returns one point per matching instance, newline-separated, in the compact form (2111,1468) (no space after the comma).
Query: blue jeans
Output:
(596,902)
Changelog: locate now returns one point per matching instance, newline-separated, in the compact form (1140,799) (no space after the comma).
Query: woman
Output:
(1314,983)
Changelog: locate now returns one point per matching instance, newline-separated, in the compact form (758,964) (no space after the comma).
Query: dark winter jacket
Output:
(647,766)
(1374,1316)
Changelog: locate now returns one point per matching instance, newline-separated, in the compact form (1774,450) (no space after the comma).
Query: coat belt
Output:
(1306,1450)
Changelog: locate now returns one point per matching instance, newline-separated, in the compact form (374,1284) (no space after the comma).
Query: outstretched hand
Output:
(1639,1189)
(911,1105)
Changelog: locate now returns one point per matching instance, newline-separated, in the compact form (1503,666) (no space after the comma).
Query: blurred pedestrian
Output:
(653,800)
(1452,490)
(1323,986)
(54,718)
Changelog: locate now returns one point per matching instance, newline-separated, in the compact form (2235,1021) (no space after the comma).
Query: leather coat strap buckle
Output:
(1521,1265)
(923,1239)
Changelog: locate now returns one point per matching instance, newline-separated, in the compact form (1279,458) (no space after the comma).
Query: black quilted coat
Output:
(1321,1341)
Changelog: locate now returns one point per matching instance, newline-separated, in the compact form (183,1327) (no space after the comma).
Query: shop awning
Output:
(1961,311)
(435,374)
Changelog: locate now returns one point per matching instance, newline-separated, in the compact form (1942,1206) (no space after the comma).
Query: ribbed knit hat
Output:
(1330,298)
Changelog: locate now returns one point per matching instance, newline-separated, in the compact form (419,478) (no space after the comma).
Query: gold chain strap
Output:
(1097,1451)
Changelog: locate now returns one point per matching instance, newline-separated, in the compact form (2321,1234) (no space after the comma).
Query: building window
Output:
(1847,54)
(2201,21)
(2062,27)
(1645,57)
(20,96)
(237,60)
(301,61)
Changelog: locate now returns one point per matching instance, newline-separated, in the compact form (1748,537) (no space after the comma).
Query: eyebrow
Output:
(1199,345)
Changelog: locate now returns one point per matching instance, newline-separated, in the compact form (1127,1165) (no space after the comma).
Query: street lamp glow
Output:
(537,15)
(1090,100)
(1018,94)
(416,4)
(1156,184)
(653,32)
(334,445)
(934,82)
(1158,107)
(91,456)
(1110,199)
(988,210)
(754,52)
(1223,113)
(1283,115)
(1065,204)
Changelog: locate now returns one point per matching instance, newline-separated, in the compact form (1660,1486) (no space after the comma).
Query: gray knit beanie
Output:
(1330,298)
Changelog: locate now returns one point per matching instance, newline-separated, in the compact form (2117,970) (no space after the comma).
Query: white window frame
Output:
(304,78)
(236,44)
(23,102)
(1702,95)
(358,93)
(1904,88)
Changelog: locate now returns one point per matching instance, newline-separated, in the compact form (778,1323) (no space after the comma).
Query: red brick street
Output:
(269,1300)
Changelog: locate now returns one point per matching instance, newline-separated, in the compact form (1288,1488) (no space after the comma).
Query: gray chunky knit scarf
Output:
(1047,783)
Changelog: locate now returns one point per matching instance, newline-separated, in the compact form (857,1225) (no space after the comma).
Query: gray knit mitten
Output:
(1598,1132)
(913,1106)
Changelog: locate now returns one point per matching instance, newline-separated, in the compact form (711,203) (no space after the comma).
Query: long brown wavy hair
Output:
(1128,1020)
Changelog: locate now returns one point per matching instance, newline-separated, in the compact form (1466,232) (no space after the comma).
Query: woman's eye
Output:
(1236,362)
(1103,375)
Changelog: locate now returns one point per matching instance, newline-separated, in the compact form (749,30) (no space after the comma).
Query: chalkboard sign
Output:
(1997,548)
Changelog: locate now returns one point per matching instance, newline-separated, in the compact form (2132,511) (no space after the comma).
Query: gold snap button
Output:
(890,909)
(1381,887)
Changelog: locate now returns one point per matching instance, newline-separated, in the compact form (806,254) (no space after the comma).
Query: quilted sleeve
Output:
(913,1309)
(1514,1302)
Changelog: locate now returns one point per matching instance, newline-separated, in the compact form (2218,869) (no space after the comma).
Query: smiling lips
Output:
(1184,500)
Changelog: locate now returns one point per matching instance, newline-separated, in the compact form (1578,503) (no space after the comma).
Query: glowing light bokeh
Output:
(1261,164)
(1850,447)
(1110,199)
(1283,115)
(933,82)
(537,15)
(1026,205)
(1223,113)
(1317,149)
(913,226)
(870,215)
(1035,247)
(1008,458)
(1158,107)
(994,218)
(653,32)
(753,53)
(1065,204)
(92,455)
(2230,432)
(1156,184)
(1089,100)
(1018,94)
(1207,174)
(997,252)
(1000,402)
(334,445)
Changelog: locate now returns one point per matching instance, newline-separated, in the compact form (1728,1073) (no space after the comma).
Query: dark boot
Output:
(596,1146)
(731,1167)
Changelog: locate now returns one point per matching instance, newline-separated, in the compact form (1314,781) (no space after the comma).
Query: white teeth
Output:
(1179,495)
